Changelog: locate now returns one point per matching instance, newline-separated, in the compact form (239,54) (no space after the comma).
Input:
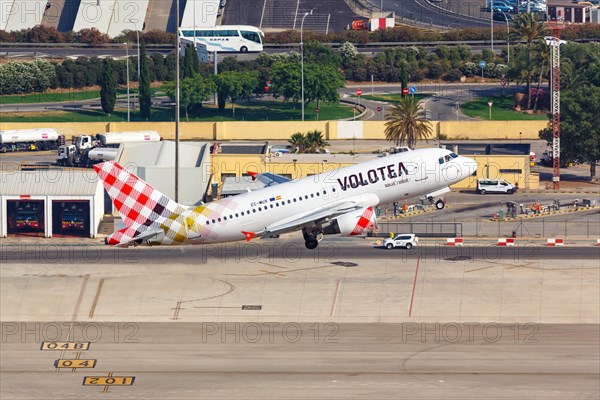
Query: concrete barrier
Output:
(506,242)
(454,242)
(556,242)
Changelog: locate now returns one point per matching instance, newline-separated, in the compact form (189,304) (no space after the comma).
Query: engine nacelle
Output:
(354,223)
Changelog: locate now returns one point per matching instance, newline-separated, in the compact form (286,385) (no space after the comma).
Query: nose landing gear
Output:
(312,238)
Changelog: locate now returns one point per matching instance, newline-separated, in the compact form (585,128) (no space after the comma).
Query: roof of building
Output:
(146,154)
(68,182)
(242,148)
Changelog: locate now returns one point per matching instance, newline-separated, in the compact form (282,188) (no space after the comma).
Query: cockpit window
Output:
(453,155)
(441,160)
(447,158)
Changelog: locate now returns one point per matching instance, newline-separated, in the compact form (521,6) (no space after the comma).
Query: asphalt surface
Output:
(265,250)
(447,14)
(179,360)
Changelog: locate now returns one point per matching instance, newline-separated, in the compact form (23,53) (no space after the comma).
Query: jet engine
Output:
(354,223)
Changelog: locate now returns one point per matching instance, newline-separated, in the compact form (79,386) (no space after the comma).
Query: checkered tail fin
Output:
(137,202)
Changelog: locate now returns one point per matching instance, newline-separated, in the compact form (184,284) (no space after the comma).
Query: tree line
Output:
(91,36)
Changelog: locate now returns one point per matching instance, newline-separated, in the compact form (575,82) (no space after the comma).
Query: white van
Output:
(495,186)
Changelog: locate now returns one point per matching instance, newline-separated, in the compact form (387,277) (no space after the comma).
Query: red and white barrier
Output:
(556,242)
(454,242)
(598,242)
(504,242)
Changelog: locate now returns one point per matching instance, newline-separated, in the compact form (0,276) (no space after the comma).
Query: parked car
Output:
(495,186)
(404,240)
(500,6)
(533,7)
(502,16)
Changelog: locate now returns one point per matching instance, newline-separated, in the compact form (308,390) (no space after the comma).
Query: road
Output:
(29,52)
(441,107)
(328,251)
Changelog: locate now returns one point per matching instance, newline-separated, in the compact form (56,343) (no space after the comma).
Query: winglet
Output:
(249,235)
(252,174)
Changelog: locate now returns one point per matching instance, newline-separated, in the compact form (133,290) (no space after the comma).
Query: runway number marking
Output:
(108,381)
(77,346)
(75,363)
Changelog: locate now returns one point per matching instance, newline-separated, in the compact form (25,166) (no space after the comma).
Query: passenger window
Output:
(219,219)
(236,215)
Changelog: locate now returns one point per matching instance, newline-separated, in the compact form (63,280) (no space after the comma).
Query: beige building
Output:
(512,168)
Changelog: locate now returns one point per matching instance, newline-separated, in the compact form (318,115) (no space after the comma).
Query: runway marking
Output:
(412,296)
(75,312)
(177,310)
(98,291)
(272,273)
(335,295)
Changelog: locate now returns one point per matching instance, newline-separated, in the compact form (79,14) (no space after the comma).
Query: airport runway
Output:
(310,361)
(54,252)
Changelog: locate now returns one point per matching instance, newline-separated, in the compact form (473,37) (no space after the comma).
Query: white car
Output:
(405,240)
(495,186)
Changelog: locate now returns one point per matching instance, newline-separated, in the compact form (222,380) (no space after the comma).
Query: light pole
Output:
(127,64)
(507,34)
(302,56)
(492,22)
(490,104)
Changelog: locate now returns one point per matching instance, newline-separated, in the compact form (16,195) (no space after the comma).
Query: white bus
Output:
(226,38)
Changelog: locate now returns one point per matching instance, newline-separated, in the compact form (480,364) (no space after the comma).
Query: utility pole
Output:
(554,44)
(177,110)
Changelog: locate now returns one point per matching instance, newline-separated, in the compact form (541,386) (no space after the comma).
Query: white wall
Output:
(25,14)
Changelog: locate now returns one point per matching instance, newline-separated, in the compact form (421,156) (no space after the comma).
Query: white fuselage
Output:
(382,180)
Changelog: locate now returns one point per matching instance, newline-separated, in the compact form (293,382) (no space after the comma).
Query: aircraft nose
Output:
(468,167)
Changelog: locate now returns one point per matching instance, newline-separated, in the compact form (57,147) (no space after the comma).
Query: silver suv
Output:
(405,240)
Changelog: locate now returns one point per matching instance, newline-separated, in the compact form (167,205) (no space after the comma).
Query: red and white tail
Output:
(137,202)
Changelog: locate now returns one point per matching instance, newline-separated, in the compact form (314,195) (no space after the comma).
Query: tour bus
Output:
(226,38)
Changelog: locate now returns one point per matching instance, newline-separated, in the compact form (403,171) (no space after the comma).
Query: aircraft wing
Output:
(269,179)
(319,216)
(148,234)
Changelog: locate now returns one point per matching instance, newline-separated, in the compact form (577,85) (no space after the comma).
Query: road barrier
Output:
(454,242)
(556,242)
(505,242)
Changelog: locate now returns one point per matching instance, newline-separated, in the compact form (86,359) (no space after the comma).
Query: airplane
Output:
(341,201)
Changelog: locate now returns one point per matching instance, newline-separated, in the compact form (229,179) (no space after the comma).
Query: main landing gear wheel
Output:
(440,204)
(311,244)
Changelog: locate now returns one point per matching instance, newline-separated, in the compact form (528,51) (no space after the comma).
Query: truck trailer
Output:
(30,139)
(88,150)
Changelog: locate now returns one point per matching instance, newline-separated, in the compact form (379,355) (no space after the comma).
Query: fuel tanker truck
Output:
(30,139)
(88,150)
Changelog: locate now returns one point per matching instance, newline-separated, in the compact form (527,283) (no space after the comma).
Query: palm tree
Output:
(542,57)
(527,27)
(407,123)
(315,141)
(298,140)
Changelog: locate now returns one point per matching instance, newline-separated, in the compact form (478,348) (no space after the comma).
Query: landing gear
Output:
(439,203)
(311,244)
(312,238)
